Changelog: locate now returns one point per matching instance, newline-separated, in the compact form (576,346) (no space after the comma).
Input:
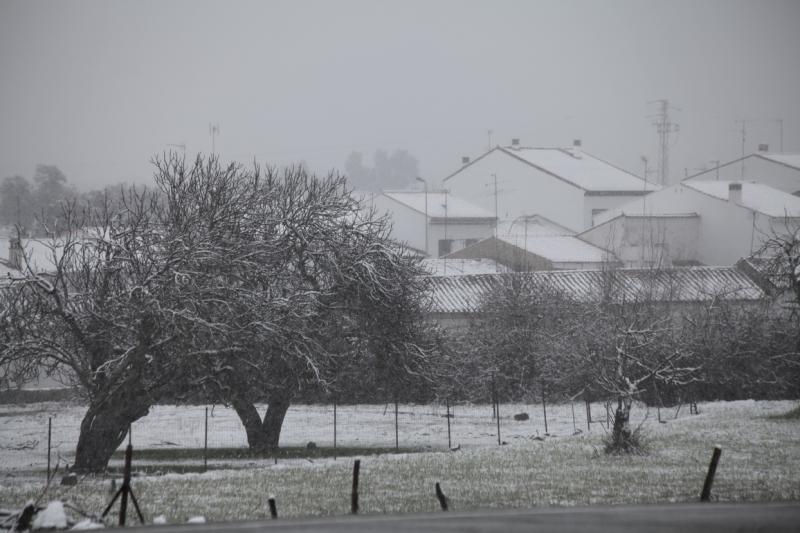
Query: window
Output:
(445,246)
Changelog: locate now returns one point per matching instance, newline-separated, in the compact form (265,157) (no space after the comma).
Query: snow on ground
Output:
(23,428)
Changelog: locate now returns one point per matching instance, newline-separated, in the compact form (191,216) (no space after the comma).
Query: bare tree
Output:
(105,312)
(307,285)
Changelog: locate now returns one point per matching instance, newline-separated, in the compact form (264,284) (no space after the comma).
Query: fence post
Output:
(496,409)
(354,492)
(572,406)
(334,424)
(273,509)
(49,441)
(544,409)
(494,399)
(449,442)
(712,470)
(205,443)
(396,428)
(441,497)
(588,415)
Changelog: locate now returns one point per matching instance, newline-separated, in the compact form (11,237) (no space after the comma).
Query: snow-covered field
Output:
(760,462)
(23,428)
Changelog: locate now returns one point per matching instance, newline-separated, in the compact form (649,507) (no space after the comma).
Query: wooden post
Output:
(205,443)
(494,399)
(334,424)
(442,498)
(449,442)
(497,410)
(712,470)
(572,406)
(588,416)
(49,441)
(354,493)
(396,428)
(544,409)
(273,509)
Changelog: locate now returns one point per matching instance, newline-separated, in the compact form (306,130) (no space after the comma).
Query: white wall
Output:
(592,202)
(724,233)
(773,174)
(408,226)
(458,233)
(522,190)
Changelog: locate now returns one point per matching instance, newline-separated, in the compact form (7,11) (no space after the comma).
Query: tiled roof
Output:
(464,294)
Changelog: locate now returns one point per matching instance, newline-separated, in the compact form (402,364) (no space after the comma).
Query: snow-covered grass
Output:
(23,428)
(760,461)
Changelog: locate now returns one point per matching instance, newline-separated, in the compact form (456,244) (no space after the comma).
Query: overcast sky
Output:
(98,87)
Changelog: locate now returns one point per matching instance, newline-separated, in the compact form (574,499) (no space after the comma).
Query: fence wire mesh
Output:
(24,428)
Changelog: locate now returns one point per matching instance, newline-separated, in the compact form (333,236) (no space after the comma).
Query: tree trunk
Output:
(262,435)
(273,419)
(251,420)
(103,429)
(621,435)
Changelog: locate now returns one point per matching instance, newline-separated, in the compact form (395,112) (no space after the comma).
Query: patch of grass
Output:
(793,414)
(298,452)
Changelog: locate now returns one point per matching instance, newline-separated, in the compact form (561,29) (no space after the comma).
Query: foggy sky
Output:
(98,87)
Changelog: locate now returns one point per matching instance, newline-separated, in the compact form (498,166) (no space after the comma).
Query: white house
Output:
(565,185)
(696,222)
(535,243)
(779,171)
(433,222)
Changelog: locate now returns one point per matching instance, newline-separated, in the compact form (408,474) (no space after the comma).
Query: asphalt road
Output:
(686,518)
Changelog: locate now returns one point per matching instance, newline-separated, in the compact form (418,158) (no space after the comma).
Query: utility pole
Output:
(427,222)
(213,130)
(445,231)
(743,129)
(496,233)
(665,128)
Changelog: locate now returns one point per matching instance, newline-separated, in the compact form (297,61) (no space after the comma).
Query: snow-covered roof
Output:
(439,204)
(559,248)
(792,160)
(755,196)
(581,169)
(464,294)
(532,226)
(458,267)
(40,252)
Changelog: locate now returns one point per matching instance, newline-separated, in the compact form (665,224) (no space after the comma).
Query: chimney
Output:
(465,160)
(15,253)
(735,193)
(576,149)
(515,143)
(763,148)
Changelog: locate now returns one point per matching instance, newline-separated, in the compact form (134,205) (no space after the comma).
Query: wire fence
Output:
(29,432)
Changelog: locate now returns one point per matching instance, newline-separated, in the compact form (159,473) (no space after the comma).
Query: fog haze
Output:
(97,88)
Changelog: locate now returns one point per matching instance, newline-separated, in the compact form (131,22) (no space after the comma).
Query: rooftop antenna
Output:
(665,128)
(489,136)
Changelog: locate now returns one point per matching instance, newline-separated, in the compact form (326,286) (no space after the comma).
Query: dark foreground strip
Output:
(685,518)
